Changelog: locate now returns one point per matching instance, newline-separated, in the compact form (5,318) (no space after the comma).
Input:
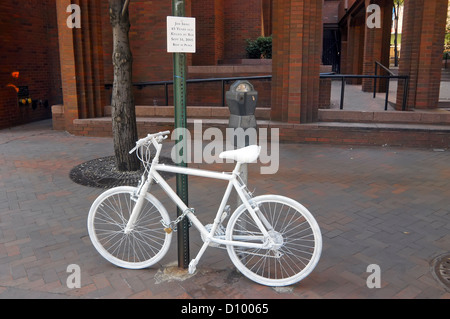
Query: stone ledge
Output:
(373,134)
(385,126)
(220,112)
(417,117)
(237,70)
(58,109)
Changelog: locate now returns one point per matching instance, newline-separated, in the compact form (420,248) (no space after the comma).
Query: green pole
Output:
(179,70)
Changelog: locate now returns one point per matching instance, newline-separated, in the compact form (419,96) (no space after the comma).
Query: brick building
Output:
(421,52)
(29,61)
(71,66)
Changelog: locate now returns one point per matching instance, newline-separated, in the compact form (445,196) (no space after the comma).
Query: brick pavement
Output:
(375,205)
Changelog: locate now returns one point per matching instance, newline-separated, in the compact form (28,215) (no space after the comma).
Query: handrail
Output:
(383,67)
(406,85)
(343,77)
(141,85)
(330,75)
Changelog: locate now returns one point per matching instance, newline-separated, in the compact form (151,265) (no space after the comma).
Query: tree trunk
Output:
(123,108)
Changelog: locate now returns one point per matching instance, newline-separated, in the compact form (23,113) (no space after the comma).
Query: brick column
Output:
(297,38)
(210,36)
(355,47)
(421,52)
(81,58)
(377,45)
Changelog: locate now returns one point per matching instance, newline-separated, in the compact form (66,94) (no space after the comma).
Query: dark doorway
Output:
(331,48)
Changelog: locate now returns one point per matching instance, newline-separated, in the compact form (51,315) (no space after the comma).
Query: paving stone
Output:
(375,205)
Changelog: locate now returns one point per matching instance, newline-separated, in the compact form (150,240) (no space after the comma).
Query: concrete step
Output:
(380,134)
(435,117)
(216,112)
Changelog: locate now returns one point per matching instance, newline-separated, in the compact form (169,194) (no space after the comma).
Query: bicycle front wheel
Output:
(145,245)
(294,232)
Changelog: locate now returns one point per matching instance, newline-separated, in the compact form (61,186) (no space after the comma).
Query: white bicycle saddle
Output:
(246,154)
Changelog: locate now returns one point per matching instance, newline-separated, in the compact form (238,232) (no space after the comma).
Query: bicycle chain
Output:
(172,226)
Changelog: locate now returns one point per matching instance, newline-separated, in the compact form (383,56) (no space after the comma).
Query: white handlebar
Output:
(149,137)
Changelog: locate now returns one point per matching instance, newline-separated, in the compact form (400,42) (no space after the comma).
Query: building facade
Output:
(70,67)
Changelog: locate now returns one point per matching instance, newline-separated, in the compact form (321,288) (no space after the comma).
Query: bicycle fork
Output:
(142,192)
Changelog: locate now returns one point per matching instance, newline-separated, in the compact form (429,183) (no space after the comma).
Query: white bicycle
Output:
(273,240)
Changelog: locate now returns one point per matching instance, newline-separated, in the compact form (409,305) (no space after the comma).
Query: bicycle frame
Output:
(233,182)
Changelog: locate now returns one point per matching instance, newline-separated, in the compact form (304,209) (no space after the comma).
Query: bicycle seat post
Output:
(237,169)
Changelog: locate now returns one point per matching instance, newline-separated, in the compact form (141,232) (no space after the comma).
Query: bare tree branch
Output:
(125,7)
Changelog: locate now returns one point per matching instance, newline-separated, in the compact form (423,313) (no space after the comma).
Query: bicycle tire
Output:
(145,245)
(296,232)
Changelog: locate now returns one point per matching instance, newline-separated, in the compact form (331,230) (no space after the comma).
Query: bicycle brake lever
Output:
(133,149)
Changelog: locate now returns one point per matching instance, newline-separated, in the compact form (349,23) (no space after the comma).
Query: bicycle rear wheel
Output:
(297,237)
(145,245)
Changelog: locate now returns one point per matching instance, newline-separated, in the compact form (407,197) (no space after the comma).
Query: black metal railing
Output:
(391,75)
(375,77)
(224,81)
(331,75)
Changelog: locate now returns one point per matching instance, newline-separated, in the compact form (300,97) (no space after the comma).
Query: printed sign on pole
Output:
(180,35)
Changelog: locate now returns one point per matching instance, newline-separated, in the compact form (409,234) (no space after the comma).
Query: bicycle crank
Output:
(219,233)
